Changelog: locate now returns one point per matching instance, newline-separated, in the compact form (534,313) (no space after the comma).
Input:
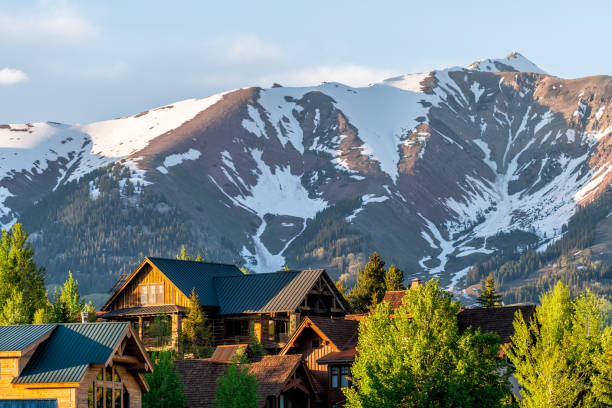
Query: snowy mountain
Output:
(430,169)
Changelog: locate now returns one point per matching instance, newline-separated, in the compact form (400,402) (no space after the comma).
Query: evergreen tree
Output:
(488,296)
(416,357)
(342,289)
(196,337)
(19,274)
(67,303)
(370,287)
(395,279)
(237,387)
(554,352)
(165,386)
(183,255)
(199,258)
(14,310)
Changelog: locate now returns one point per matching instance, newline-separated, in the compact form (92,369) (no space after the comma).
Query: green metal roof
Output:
(28,403)
(187,275)
(72,347)
(143,310)
(264,292)
(16,338)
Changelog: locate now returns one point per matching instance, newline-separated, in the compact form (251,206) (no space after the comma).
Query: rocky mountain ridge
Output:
(433,170)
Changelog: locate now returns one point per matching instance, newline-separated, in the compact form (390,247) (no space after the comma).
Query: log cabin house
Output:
(283,381)
(269,306)
(88,365)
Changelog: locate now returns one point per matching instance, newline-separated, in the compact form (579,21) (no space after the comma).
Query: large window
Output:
(108,391)
(151,294)
(234,328)
(339,376)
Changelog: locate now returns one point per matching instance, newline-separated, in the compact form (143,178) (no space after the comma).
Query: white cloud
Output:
(56,24)
(10,76)
(241,48)
(352,75)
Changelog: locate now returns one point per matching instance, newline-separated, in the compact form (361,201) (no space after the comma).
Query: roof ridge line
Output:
(190,260)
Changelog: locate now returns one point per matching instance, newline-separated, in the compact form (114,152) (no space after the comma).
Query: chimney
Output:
(416,282)
(84,315)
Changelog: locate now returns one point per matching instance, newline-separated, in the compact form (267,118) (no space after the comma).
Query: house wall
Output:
(9,368)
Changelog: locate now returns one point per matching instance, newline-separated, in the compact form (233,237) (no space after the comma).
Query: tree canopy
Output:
(165,386)
(416,357)
(237,387)
(556,354)
(22,283)
(196,337)
(394,279)
(371,285)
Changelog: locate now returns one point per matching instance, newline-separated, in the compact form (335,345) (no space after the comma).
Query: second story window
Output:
(234,328)
(152,294)
(339,376)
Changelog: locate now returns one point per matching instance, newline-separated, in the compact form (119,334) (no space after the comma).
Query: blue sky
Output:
(72,61)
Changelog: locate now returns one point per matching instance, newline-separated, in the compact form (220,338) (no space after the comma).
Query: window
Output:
(339,376)
(152,294)
(235,328)
(107,391)
(281,327)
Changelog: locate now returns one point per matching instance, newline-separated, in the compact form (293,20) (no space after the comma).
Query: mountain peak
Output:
(513,62)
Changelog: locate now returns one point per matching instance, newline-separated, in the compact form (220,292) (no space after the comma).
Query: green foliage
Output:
(161,330)
(67,303)
(418,358)
(15,310)
(370,287)
(22,283)
(488,296)
(183,255)
(255,345)
(394,280)
(196,337)
(554,354)
(602,381)
(165,386)
(237,387)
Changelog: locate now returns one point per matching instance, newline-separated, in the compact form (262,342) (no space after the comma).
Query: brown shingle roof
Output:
(199,377)
(338,331)
(494,319)
(394,297)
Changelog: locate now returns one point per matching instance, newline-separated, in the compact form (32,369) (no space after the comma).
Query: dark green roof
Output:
(72,347)
(143,310)
(187,275)
(264,292)
(28,403)
(15,338)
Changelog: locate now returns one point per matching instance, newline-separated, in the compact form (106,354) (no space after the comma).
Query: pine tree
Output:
(165,385)
(237,387)
(370,287)
(196,337)
(395,279)
(19,273)
(199,258)
(183,255)
(488,296)
(67,303)
(602,380)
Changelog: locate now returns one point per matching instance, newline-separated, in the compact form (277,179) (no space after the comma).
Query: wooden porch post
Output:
(140,332)
(176,331)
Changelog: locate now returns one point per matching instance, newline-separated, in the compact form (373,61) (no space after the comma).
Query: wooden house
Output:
(283,381)
(318,338)
(88,365)
(268,305)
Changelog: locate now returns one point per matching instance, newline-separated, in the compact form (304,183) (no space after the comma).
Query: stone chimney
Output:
(416,282)
(84,315)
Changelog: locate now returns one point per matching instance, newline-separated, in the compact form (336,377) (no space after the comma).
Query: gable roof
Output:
(340,332)
(199,377)
(17,338)
(185,275)
(494,319)
(394,297)
(67,354)
(265,292)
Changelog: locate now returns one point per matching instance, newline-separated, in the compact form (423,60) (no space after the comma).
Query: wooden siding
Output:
(148,274)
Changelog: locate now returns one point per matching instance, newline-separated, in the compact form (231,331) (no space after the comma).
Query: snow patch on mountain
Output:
(178,158)
(515,61)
